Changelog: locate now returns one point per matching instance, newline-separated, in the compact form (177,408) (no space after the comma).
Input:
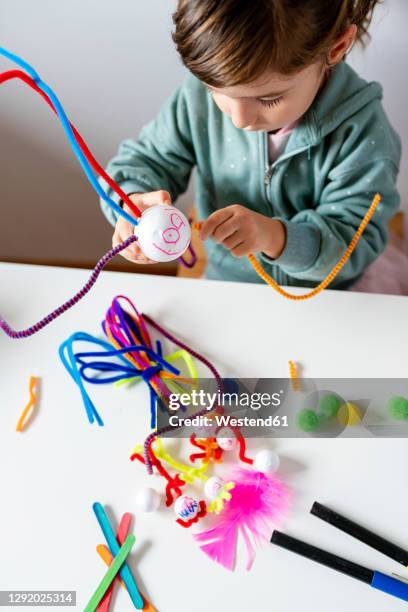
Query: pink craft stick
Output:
(121,534)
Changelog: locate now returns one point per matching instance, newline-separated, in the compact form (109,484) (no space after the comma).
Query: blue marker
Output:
(379,581)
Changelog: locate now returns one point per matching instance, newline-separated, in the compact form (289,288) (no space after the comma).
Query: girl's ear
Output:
(342,45)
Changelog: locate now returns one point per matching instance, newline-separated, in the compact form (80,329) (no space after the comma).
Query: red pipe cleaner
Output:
(19,74)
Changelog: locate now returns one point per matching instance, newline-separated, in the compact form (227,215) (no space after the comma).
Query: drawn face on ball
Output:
(163,233)
(173,236)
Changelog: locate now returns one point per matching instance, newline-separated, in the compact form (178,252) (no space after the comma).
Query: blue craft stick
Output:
(69,133)
(114,547)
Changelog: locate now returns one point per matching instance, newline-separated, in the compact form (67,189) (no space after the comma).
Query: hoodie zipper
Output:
(268,171)
(269,168)
(268,174)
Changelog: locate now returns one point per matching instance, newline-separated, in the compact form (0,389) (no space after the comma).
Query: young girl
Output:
(290,144)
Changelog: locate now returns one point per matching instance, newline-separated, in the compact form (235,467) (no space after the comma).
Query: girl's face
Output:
(271,102)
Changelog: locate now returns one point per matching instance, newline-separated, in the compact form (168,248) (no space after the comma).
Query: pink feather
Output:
(258,500)
(221,544)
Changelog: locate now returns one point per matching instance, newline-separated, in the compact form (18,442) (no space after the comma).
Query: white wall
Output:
(112,63)
(386,60)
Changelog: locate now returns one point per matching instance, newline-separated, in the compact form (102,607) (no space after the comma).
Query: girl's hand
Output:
(124,230)
(243,231)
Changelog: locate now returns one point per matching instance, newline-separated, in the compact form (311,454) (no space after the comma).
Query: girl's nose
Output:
(242,115)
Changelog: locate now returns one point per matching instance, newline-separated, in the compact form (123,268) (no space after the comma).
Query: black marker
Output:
(377,580)
(361,533)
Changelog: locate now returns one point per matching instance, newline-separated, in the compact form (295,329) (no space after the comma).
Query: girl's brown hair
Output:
(230,42)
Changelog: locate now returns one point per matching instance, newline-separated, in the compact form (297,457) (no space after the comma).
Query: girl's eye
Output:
(271,102)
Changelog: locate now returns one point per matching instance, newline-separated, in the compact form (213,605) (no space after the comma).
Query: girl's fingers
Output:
(217,218)
(133,252)
(124,229)
(135,255)
(225,230)
(233,241)
(122,232)
(154,197)
(241,250)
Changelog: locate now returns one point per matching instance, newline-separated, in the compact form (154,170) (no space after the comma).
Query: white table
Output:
(51,474)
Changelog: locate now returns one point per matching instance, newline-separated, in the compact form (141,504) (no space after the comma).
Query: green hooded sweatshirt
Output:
(340,154)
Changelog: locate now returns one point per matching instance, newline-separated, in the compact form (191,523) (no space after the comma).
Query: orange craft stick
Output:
(106,556)
(28,410)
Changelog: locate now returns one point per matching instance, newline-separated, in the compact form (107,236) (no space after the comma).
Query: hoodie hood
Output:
(344,95)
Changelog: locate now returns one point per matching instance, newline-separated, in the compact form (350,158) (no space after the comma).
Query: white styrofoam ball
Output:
(163,233)
(213,486)
(148,500)
(266,460)
(186,507)
(226,439)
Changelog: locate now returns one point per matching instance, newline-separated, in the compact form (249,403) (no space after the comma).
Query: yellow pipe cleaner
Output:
(217,504)
(170,383)
(187,472)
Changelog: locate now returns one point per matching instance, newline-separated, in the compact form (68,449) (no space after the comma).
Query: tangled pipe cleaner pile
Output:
(128,354)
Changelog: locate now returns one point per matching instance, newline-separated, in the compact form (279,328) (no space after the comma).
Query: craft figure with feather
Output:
(249,501)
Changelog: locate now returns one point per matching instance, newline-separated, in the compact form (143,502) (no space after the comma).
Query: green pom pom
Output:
(307,420)
(398,407)
(329,406)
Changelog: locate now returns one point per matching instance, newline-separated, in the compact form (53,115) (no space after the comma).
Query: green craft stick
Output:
(110,575)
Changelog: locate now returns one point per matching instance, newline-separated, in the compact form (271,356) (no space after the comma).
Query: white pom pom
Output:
(186,508)
(267,461)
(163,233)
(226,439)
(148,500)
(212,487)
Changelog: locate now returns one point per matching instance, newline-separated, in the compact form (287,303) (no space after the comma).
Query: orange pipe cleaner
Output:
(294,376)
(26,415)
(330,277)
